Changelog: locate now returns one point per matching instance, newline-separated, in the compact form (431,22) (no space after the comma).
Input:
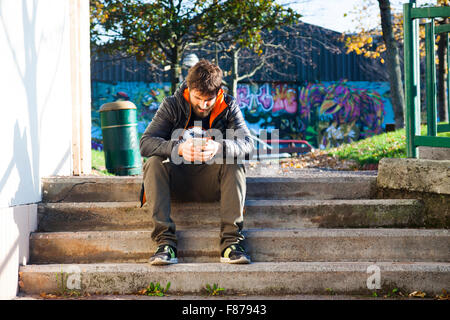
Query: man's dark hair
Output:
(205,77)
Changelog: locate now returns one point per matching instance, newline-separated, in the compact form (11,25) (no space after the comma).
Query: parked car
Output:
(291,146)
(267,149)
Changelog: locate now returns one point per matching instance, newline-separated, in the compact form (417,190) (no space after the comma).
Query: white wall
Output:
(16,223)
(35,119)
(36,106)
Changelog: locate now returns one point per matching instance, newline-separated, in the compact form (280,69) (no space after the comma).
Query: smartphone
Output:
(199,142)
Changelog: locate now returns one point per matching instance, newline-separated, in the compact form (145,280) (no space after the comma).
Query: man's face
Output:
(201,104)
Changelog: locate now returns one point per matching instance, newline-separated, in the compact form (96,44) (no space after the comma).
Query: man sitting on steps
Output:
(189,150)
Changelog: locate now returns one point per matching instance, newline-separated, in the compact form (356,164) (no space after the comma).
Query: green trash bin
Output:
(120,139)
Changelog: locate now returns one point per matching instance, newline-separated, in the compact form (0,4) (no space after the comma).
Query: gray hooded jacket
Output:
(161,137)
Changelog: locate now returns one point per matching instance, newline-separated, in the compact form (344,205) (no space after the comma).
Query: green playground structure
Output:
(411,15)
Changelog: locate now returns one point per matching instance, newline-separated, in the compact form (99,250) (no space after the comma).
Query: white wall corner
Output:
(81,86)
(16,224)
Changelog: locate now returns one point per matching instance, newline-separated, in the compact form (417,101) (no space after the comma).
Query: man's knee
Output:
(154,161)
(234,167)
(237,171)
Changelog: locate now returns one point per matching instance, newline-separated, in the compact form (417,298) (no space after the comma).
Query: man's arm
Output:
(241,146)
(156,140)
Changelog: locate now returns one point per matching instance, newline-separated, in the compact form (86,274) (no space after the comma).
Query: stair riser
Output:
(267,280)
(74,217)
(262,246)
(104,190)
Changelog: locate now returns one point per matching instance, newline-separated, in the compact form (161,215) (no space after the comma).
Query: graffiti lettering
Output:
(285,99)
(264,98)
(244,98)
(325,114)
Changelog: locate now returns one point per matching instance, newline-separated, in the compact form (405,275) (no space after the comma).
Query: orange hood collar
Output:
(219,106)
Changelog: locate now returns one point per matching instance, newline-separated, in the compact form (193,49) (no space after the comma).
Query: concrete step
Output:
(90,216)
(105,189)
(263,278)
(269,245)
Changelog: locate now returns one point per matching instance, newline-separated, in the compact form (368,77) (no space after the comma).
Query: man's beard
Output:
(201,114)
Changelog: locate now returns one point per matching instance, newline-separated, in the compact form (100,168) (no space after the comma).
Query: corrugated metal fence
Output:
(319,56)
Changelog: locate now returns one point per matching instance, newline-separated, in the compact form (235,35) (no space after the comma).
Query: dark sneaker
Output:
(234,254)
(164,255)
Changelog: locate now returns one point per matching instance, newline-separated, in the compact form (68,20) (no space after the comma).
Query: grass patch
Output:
(372,150)
(98,162)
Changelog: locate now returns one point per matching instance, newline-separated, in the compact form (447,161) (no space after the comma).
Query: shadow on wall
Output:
(17,221)
(26,156)
(21,173)
(16,224)
(24,159)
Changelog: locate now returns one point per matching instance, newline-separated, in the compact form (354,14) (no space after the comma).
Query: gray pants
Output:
(196,183)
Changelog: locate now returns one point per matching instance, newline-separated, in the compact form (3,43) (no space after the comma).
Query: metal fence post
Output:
(411,86)
(430,79)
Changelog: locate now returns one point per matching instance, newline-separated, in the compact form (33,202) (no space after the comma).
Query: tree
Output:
(242,27)
(245,62)
(279,52)
(156,31)
(364,42)
(240,62)
(393,63)
(161,31)
(442,69)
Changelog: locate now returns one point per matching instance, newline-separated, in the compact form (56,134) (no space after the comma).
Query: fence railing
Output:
(411,16)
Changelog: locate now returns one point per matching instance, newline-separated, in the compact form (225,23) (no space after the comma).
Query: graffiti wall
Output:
(325,114)
(146,97)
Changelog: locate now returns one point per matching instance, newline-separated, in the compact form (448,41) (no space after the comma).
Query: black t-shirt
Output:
(195,120)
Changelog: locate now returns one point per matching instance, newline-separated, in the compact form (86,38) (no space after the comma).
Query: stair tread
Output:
(250,202)
(278,213)
(257,278)
(268,232)
(304,174)
(253,267)
(307,186)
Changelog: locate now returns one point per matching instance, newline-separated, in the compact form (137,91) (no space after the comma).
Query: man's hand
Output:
(210,149)
(198,153)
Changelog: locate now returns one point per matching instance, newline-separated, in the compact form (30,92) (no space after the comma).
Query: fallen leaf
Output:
(443,296)
(419,294)
(47,295)
(143,291)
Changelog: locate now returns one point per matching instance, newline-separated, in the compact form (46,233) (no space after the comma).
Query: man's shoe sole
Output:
(241,260)
(162,262)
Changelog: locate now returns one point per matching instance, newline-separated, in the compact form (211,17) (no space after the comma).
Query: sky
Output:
(330,13)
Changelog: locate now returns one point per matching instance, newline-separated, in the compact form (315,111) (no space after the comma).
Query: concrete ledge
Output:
(256,278)
(434,153)
(105,189)
(436,210)
(269,245)
(432,176)
(97,216)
